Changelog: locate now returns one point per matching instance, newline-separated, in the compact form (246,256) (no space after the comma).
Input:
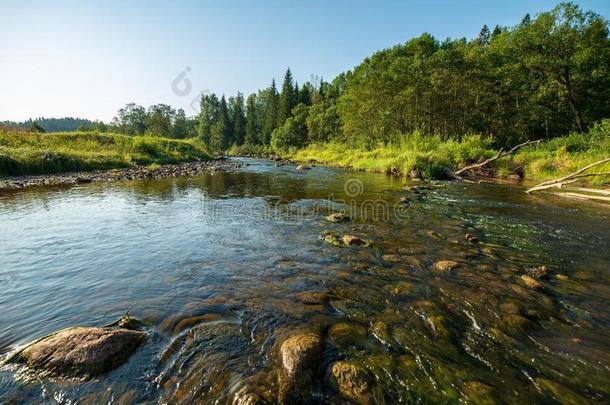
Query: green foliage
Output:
(34,153)
(294,131)
(431,155)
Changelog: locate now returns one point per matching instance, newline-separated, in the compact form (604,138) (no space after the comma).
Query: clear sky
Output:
(88,58)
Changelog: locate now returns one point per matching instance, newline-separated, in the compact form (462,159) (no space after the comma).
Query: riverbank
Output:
(430,157)
(30,153)
(131,173)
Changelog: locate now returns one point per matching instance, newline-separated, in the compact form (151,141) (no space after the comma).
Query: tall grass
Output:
(431,155)
(38,153)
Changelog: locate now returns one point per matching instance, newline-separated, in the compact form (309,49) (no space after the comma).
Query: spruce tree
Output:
(270,118)
(238,119)
(251,127)
(287,99)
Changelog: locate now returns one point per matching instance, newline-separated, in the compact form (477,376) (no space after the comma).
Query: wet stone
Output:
(346,333)
(338,217)
(351,240)
(354,383)
(81,352)
(332,239)
(300,357)
(445,265)
(531,282)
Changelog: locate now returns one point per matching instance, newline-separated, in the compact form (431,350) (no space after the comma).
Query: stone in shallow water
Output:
(300,357)
(338,217)
(345,333)
(531,282)
(445,265)
(81,352)
(351,240)
(354,383)
(540,272)
(331,238)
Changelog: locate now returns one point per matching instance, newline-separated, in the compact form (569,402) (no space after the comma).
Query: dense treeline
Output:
(545,77)
(50,124)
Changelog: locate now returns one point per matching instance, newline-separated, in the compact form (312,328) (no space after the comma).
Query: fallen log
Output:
(584,196)
(570,178)
(501,153)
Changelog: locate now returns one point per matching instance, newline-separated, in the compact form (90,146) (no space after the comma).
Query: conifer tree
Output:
(251,137)
(287,98)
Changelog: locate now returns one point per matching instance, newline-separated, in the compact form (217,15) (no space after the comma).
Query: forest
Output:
(545,77)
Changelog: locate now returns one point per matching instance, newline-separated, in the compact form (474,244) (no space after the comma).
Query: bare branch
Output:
(501,153)
(570,178)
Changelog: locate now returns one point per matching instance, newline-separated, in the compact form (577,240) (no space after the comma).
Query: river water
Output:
(221,267)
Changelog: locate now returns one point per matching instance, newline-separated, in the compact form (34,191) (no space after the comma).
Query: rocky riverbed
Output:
(131,173)
(266,284)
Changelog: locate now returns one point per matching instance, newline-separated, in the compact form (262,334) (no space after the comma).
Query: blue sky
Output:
(88,58)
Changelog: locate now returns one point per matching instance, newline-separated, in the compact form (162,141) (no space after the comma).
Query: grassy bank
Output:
(430,155)
(39,153)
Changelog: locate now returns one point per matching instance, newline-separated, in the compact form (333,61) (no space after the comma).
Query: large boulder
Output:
(301,355)
(80,352)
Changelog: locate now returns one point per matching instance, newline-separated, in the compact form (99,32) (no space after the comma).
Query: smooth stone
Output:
(81,352)
(300,357)
(303,167)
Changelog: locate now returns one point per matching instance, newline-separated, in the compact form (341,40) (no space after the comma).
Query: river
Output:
(219,266)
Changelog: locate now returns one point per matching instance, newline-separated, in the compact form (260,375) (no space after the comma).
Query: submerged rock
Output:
(478,393)
(445,265)
(345,333)
(331,238)
(81,352)
(531,282)
(300,358)
(338,217)
(354,383)
(345,240)
(560,393)
(351,240)
(540,272)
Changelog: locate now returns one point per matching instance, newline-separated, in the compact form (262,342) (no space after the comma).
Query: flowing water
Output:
(220,268)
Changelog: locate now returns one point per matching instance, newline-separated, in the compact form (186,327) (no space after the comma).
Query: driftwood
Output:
(584,196)
(571,178)
(501,153)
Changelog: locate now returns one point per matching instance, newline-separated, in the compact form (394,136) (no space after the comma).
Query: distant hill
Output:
(51,124)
